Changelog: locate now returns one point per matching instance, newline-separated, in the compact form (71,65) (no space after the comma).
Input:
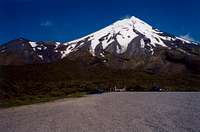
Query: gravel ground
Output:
(108,112)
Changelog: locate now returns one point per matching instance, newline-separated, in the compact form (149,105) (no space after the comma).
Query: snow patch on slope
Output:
(69,49)
(182,39)
(142,43)
(41,57)
(33,44)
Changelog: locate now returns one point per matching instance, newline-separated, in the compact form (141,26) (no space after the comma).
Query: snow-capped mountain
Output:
(124,33)
(127,43)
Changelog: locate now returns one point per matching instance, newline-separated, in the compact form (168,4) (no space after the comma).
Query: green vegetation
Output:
(21,85)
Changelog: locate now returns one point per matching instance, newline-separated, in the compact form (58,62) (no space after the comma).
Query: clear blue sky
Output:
(64,20)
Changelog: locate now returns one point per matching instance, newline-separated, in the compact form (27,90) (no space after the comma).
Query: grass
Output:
(27,100)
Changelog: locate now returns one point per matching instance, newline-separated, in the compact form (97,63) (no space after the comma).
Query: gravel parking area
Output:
(108,112)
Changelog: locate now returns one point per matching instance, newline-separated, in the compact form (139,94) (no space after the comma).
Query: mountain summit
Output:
(124,34)
(128,44)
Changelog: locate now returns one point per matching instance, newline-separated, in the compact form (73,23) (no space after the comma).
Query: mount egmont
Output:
(126,44)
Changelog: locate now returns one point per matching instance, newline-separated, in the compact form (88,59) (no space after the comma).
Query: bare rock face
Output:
(126,44)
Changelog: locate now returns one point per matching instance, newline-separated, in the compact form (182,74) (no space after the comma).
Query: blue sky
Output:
(64,20)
